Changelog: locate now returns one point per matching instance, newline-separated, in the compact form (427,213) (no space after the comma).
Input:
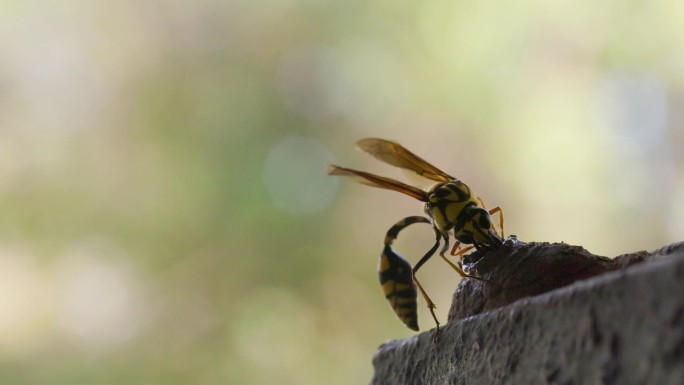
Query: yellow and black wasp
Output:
(453,210)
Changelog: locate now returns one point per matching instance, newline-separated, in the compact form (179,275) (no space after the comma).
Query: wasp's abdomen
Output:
(396,276)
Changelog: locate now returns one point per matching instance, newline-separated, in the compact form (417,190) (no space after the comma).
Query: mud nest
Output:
(518,269)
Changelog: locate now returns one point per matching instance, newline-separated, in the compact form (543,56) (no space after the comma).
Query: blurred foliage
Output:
(166,215)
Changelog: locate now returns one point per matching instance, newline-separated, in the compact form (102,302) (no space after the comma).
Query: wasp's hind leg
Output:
(396,276)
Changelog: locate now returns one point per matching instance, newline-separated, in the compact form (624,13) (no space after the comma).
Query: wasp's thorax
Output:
(452,206)
(446,202)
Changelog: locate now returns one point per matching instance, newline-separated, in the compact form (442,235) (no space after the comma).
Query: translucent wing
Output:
(397,155)
(378,181)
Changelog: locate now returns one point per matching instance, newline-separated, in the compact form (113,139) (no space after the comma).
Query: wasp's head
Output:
(475,227)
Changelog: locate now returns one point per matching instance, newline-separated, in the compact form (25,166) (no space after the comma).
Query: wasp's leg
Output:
(431,305)
(453,265)
(458,269)
(456,252)
(498,209)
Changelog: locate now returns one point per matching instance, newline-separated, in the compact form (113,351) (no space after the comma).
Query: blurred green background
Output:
(166,217)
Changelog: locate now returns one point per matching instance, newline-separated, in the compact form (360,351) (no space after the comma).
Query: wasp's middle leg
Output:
(454,266)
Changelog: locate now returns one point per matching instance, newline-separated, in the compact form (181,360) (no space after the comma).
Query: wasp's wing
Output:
(378,181)
(397,155)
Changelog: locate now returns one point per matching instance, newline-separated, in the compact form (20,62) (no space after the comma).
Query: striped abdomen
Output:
(396,276)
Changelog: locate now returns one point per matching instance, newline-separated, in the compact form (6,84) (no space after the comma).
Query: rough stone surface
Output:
(621,327)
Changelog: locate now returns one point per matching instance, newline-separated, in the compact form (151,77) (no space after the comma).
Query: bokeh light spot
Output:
(98,299)
(633,110)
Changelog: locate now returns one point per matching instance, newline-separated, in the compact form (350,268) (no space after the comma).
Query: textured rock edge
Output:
(622,327)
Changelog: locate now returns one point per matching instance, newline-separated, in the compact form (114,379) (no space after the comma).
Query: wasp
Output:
(451,208)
